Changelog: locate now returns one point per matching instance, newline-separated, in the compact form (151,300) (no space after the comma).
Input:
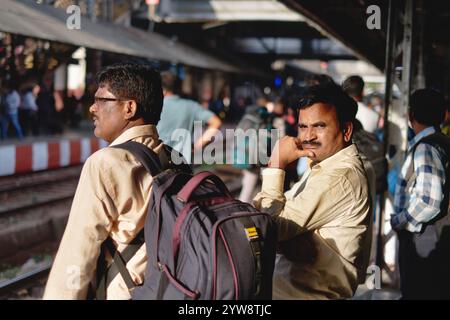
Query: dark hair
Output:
(315,79)
(332,94)
(170,82)
(353,86)
(427,107)
(139,82)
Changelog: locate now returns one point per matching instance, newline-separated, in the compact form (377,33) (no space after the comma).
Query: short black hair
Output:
(427,107)
(318,79)
(353,86)
(331,94)
(139,82)
(170,82)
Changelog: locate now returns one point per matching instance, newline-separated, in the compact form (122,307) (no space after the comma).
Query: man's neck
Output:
(418,127)
(168,94)
(130,124)
(357,99)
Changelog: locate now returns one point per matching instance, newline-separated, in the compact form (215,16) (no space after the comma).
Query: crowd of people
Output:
(30,109)
(324,220)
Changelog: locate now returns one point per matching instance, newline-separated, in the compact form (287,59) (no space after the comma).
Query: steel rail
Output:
(25,280)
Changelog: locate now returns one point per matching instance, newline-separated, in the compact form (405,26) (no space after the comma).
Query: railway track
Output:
(26,281)
(16,182)
(25,193)
(32,208)
(21,194)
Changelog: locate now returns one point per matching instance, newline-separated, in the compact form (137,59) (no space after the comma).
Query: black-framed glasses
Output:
(100,100)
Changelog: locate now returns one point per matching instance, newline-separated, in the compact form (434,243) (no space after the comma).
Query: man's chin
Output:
(316,158)
(98,133)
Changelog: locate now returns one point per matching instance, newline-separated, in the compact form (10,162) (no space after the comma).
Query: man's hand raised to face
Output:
(287,150)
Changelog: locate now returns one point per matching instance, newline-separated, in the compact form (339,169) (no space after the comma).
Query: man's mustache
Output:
(312,143)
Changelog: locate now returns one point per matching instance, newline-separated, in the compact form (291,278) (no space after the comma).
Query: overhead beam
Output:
(311,56)
(246,29)
(173,11)
(350,30)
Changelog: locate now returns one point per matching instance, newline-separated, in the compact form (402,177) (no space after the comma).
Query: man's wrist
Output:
(276,165)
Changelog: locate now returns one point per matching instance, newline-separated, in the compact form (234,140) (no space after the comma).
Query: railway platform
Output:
(33,154)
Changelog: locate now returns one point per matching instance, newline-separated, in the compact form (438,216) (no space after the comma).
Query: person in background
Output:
(421,202)
(354,87)
(29,109)
(258,119)
(176,127)
(11,105)
(46,106)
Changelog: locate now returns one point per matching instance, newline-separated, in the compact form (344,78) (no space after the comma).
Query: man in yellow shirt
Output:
(324,221)
(113,193)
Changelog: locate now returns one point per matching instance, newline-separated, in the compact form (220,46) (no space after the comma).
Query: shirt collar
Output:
(172,97)
(135,132)
(422,134)
(337,158)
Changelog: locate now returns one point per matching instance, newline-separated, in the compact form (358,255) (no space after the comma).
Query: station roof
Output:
(27,18)
(257,32)
(181,11)
(346,22)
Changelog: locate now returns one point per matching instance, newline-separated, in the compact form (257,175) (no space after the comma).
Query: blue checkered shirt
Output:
(418,194)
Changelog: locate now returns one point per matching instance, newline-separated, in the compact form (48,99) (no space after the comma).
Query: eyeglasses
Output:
(100,100)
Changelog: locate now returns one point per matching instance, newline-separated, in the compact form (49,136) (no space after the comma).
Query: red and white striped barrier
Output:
(46,155)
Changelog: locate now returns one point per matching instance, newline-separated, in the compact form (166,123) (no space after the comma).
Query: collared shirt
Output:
(29,101)
(419,189)
(324,228)
(176,127)
(368,117)
(12,102)
(111,199)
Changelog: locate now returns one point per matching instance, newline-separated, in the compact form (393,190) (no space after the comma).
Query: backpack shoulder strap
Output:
(149,159)
(442,142)
(438,139)
(153,164)
(118,265)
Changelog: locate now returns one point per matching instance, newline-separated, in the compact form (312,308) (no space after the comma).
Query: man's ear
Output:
(347,131)
(130,109)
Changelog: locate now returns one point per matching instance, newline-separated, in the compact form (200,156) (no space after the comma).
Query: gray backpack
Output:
(201,243)
(258,120)
(372,151)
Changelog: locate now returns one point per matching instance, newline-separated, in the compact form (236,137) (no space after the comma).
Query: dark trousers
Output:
(424,277)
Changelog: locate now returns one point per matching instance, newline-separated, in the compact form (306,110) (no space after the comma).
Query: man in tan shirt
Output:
(324,221)
(113,193)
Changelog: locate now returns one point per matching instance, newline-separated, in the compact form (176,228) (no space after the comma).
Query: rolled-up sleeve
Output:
(271,198)
(312,208)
